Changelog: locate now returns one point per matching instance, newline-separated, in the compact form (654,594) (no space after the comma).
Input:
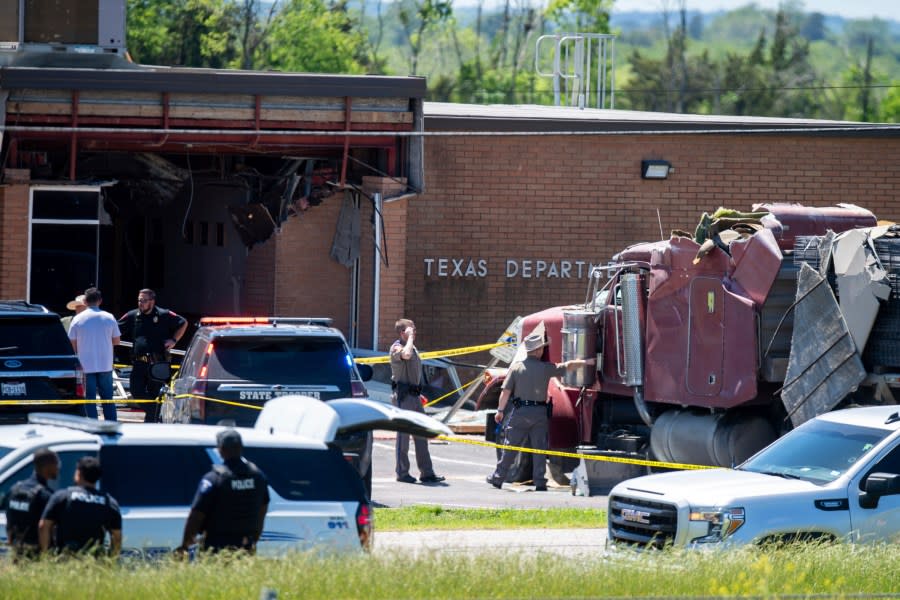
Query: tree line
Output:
(477,54)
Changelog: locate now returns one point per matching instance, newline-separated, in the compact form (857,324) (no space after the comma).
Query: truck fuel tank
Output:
(579,341)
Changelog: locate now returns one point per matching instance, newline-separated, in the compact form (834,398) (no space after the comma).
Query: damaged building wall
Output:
(206,259)
(561,199)
(307,282)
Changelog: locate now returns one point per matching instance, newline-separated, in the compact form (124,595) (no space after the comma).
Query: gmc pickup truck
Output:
(836,477)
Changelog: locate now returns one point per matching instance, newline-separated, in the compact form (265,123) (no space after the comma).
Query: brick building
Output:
(502,211)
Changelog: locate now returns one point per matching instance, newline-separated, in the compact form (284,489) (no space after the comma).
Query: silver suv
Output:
(317,500)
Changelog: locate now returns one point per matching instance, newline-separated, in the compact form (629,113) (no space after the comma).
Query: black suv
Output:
(37,362)
(246,361)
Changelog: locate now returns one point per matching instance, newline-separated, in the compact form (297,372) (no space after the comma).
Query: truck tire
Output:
(561,466)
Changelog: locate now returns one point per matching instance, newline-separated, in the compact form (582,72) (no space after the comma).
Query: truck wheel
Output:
(560,467)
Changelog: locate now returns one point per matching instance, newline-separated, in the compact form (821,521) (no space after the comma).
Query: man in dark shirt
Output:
(27,500)
(231,501)
(82,515)
(153,331)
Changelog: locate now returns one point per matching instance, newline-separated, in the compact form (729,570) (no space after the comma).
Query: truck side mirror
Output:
(878,485)
(883,484)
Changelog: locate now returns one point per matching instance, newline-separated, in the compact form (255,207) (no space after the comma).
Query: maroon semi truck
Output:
(710,345)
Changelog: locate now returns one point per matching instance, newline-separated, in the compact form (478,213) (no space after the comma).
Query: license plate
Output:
(13,389)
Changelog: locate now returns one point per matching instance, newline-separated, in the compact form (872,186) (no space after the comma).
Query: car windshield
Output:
(817,451)
(4,451)
(283,360)
(33,336)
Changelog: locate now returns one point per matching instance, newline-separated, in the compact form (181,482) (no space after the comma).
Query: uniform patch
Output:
(243,484)
(88,498)
(19,505)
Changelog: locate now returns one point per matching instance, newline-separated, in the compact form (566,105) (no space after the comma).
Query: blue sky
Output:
(858,9)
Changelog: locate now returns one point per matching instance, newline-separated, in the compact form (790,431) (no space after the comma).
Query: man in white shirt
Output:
(94,333)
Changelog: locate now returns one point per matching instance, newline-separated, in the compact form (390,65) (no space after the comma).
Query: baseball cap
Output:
(229,439)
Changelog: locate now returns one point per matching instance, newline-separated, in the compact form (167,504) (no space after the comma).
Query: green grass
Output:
(410,518)
(837,570)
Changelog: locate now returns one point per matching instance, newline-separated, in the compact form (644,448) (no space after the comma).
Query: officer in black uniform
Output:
(82,515)
(231,501)
(153,331)
(27,500)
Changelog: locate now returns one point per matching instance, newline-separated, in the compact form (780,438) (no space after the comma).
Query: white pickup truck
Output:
(836,477)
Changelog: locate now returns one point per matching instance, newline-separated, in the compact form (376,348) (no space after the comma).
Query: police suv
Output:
(836,477)
(37,362)
(317,501)
(234,365)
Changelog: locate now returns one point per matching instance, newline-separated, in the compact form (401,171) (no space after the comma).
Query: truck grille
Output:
(641,522)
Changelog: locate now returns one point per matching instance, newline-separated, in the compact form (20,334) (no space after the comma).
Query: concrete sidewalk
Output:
(564,542)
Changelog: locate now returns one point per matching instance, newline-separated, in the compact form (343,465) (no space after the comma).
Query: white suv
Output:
(836,477)
(317,498)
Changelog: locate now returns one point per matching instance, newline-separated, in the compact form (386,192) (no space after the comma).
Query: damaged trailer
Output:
(712,344)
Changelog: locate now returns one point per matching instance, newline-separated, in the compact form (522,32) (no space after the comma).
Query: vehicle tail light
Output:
(358,389)
(198,405)
(79,382)
(365,519)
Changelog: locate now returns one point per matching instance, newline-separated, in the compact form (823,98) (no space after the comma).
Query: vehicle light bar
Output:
(76,422)
(324,321)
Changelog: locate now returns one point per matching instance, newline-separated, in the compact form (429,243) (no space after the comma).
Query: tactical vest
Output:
(239,496)
(18,515)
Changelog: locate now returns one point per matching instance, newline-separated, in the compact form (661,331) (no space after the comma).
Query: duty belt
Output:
(520,402)
(148,358)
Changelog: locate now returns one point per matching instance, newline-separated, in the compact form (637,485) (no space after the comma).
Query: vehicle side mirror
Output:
(878,485)
(883,484)
(365,371)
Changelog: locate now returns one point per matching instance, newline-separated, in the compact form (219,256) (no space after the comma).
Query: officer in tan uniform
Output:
(406,374)
(523,405)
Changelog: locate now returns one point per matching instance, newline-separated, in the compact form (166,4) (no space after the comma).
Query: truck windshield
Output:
(817,451)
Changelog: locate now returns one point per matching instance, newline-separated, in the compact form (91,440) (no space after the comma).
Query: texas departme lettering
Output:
(510,268)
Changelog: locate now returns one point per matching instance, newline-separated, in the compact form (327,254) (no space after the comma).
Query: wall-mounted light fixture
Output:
(656,169)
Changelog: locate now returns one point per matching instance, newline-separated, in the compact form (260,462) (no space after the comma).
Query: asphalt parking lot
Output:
(465,466)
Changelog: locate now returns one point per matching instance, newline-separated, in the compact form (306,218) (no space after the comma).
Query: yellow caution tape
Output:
(615,459)
(228,402)
(462,387)
(75,401)
(459,440)
(374,360)
(121,366)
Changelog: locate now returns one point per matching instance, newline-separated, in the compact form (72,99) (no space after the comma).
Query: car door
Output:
(69,454)
(881,523)
(324,420)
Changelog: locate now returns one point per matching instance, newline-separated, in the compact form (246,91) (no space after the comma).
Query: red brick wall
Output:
(258,291)
(395,294)
(13,241)
(566,197)
(308,282)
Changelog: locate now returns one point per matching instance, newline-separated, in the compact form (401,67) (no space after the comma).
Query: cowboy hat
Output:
(77,302)
(534,341)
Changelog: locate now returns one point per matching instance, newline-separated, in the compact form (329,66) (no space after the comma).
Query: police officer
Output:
(82,515)
(27,500)
(526,383)
(153,331)
(406,376)
(230,505)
